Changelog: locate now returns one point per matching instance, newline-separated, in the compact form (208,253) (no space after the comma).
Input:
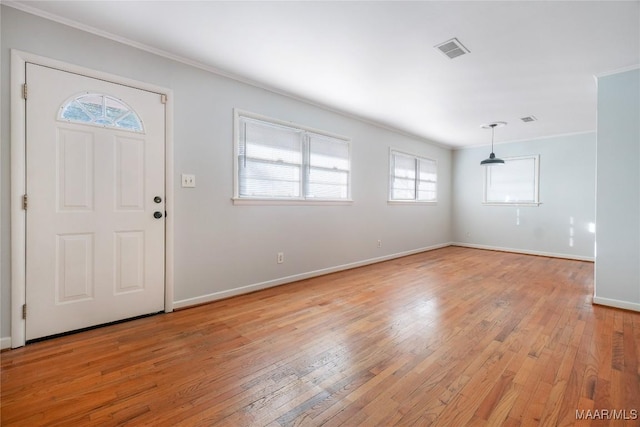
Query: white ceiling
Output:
(376,60)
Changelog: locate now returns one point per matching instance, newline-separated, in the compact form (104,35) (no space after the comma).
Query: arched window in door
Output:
(100,110)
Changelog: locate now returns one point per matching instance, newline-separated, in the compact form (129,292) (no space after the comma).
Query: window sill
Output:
(289,202)
(525,204)
(410,202)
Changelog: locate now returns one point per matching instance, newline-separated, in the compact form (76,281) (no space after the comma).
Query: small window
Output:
(100,110)
(412,178)
(514,183)
(277,160)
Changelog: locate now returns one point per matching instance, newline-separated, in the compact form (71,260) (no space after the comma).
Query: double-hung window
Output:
(277,160)
(514,183)
(412,178)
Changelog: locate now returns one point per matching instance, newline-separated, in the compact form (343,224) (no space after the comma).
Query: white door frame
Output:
(18,179)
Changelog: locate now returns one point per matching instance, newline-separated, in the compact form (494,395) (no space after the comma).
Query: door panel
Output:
(129,261)
(129,174)
(75,172)
(74,253)
(95,252)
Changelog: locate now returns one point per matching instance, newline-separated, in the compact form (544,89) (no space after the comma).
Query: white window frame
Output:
(536,177)
(415,200)
(302,199)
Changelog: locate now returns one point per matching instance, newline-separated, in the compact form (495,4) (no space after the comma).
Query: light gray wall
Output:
(559,226)
(617,279)
(219,246)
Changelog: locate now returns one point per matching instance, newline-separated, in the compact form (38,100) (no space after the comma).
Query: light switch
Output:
(188,181)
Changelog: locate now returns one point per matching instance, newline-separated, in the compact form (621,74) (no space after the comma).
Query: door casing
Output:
(19,60)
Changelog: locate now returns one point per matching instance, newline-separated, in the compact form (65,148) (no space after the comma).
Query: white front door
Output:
(95,227)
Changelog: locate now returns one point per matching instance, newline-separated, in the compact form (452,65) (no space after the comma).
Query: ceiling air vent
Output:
(528,119)
(452,48)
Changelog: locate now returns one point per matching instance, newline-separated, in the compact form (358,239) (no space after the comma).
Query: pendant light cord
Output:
(493,129)
(492,160)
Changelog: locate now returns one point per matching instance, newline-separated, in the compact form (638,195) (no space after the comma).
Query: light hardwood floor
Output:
(451,337)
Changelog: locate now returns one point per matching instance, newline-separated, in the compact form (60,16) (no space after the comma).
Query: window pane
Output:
(259,179)
(270,160)
(427,196)
(323,176)
(92,104)
(114,109)
(328,168)
(74,112)
(413,178)
(427,191)
(129,121)
(402,194)
(427,170)
(403,189)
(327,191)
(427,177)
(101,110)
(271,142)
(403,166)
(328,184)
(328,152)
(513,182)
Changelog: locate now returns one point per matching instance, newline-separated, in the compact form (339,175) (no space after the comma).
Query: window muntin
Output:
(100,110)
(282,161)
(514,183)
(412,178)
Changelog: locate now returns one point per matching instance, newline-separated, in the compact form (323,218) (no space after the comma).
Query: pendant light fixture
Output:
(492,160)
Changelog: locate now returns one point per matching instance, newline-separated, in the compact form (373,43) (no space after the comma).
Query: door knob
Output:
(157,214)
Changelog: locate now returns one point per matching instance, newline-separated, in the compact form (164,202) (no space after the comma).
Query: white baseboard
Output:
(524,251)
(281,281)
(5,342)
(626,305)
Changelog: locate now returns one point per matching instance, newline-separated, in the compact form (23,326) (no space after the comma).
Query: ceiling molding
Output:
(204,67)
(377,71)
(514,141)
(618,71)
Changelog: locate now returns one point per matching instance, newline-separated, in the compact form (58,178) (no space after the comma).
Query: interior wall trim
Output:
(203,299)
(625,305)
(5,343)
(525,251)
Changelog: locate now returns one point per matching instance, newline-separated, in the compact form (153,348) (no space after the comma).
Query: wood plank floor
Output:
(451,337)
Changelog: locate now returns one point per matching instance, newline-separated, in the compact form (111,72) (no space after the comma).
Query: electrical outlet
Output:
(280,257)
(379,243)
(188,180)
